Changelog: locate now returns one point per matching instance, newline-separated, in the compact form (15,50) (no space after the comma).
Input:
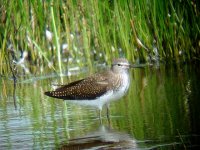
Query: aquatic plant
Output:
(90,30)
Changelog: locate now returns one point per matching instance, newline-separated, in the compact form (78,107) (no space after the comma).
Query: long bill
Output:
(138,65)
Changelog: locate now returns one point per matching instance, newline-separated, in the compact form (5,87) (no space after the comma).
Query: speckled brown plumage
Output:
(115,80)
(88,88)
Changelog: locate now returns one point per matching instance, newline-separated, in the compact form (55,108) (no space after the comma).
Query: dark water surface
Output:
(160,111)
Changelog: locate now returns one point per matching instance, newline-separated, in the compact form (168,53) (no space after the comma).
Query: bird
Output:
(98,89)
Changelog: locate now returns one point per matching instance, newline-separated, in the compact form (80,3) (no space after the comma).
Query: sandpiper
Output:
(98,89)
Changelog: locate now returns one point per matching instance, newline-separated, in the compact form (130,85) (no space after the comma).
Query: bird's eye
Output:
(119,64)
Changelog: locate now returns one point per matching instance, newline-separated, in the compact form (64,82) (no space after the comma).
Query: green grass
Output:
(145,31)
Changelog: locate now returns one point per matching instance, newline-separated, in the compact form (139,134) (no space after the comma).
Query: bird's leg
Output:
(108,112)
(100,118)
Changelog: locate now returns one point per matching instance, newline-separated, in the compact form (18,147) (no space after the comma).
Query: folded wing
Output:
(85,89)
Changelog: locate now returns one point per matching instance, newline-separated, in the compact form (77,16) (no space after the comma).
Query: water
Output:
(160,111)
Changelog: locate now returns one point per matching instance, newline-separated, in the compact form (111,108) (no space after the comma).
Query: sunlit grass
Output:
(99,30)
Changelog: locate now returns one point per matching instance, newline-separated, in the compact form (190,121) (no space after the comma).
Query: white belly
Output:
(107,97)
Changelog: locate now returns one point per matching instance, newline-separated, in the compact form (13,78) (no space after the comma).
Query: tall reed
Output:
(143,31)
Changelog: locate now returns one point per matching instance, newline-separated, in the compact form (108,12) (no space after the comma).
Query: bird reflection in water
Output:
(103,138)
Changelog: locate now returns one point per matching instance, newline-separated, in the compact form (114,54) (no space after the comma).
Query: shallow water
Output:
(160,111)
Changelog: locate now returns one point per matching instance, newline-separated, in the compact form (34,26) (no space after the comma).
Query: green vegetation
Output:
(144,31)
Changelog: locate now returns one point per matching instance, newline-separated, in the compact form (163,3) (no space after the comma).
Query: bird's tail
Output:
(49,93)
